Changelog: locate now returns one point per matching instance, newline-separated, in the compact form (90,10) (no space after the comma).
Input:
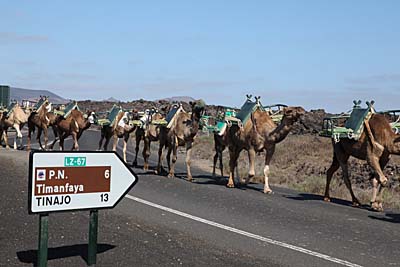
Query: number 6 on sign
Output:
(107,174)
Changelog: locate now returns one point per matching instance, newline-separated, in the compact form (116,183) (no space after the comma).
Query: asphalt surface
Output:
(165,221)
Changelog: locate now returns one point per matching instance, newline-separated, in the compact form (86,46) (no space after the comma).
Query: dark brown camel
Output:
(42,119)
(75,124)
(259,133)
(376,144)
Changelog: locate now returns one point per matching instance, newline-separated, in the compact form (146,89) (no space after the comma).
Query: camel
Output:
(257,134)
(120,129)
(182,133)
(16,119)
(42,119)
(148,133)
(75,124)
(375,145)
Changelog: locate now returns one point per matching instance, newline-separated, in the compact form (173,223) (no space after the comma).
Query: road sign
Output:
(64,181)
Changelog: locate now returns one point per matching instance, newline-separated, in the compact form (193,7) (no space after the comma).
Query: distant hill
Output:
(112,99)
(186,99)
(20,94)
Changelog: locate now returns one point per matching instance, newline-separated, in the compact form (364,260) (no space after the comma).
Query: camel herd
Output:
(254,132)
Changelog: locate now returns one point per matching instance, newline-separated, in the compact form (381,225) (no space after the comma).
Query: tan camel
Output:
(75,124)
(376,144)
(148,133)
(16,119)
(258,134)
(182,133)
(42,119)
(120,129)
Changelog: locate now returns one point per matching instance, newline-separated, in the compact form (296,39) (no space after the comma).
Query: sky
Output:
(315,54)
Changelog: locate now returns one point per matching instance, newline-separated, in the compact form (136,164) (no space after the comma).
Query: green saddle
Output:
(10,108)
(246,110)
(112,115)
(68,109)
(40,103)
(353,126)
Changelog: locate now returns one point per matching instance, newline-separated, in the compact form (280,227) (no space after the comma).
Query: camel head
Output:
(198,109)
(292,114)
(91,117)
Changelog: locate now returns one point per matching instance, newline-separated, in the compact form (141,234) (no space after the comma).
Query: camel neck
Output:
(283,129)
(394,147)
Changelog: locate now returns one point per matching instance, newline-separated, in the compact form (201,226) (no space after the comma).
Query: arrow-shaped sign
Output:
(64,181)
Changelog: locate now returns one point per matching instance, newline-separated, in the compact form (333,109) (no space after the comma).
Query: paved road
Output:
(166,221)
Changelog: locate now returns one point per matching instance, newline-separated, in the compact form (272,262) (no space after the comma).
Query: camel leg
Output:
(138,138)
(373,158)
(189,146)
(233,156)
(160,158)
(376,200)
(5,136)
(46,138)
(221,165)
(75,138)
(215,162)
(126,138)
(174,158)
(169,158)
(102,134)
(146,153)
(62,138)
(19,135)
(252,156)
(115,137)
(343,164)
(329,174)
(269,152)
(38,135)
(55,132)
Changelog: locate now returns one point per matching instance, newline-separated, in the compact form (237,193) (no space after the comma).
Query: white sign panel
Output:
(61,181)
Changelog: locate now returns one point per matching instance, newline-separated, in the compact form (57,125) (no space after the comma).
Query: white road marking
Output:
(244,233)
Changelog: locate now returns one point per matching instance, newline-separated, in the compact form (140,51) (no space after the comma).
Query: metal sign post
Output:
(43,239)
(93,226)
(67,181)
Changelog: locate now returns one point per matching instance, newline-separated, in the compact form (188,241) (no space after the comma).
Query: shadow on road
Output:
(388,217)
(307,197)
(30,256)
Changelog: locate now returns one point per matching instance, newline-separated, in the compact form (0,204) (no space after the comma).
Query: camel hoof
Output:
(268,191)
(385,183)
(327,199)
(171,175)
(190,179)
(376,206)
(356,204)
(230,185)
